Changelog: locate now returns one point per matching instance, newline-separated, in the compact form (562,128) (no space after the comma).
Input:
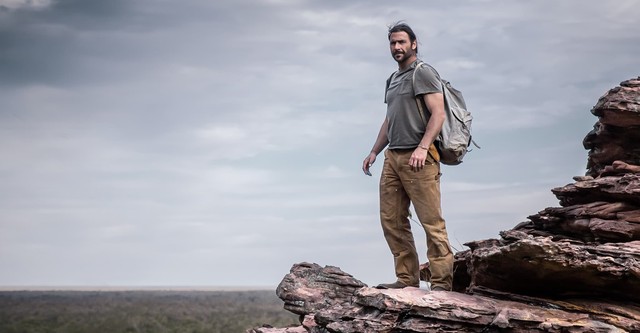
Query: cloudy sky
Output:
(216,143)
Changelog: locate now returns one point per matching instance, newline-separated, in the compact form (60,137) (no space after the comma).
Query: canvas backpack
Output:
(455,137)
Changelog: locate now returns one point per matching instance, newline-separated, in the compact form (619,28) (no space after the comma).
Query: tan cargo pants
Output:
(400,186)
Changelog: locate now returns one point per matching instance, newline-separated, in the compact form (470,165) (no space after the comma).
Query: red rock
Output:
(573,268)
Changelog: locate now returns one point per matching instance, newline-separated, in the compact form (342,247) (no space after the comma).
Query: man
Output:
(411,170)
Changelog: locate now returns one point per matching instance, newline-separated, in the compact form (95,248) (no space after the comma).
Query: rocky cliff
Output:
(573,268)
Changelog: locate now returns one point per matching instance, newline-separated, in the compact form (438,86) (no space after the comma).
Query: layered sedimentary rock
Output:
(572,268)
(617,133)
(328,300)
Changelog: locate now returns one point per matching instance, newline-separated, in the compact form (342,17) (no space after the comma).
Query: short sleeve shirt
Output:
(406,127)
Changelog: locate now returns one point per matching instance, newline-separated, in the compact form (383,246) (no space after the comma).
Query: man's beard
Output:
(405,56)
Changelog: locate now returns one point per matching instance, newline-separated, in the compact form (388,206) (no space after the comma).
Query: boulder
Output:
(364,309)
(572,268)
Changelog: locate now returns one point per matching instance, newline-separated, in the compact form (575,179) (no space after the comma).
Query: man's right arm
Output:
(381,142)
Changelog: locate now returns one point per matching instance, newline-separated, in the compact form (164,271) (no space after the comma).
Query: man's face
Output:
(401,46)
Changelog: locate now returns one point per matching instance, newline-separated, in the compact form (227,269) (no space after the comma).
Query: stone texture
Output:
(572,268)
(298,329)
(617,133)
(411,309)
(540,266)
(309,288)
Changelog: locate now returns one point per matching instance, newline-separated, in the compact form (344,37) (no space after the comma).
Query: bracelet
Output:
(423,147)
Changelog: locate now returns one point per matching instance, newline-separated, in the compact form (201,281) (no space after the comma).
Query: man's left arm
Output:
(435,105)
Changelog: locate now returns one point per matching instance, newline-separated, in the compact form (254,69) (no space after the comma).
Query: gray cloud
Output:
(195,143)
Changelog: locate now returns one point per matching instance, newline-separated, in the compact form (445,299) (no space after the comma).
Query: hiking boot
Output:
(395,285)
(438,288)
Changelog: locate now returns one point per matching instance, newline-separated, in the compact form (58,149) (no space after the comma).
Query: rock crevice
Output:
(572,268)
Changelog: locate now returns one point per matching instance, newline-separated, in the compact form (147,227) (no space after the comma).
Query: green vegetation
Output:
(140,311)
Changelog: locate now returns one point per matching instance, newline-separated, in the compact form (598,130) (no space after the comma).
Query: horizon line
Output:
(133,288)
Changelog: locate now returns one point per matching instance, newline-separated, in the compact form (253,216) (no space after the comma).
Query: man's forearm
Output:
(434,126)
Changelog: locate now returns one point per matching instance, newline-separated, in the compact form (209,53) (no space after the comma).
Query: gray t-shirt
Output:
(406,127)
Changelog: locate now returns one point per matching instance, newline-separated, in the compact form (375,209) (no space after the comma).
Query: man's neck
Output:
(405,64)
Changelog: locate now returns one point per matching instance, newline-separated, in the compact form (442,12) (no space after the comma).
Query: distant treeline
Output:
(140,311)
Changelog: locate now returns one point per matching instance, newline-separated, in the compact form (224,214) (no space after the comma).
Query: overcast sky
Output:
(217,143)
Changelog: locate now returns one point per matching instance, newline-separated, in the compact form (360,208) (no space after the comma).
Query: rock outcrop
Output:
(573,268)
(328,300)
(615,136)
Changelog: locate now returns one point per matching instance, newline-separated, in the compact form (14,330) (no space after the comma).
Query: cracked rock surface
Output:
(572,268)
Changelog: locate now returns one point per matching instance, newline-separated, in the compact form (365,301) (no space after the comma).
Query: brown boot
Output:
(438,288)
(395,285)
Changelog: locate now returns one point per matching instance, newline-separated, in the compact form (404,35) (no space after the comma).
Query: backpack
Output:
(455,137)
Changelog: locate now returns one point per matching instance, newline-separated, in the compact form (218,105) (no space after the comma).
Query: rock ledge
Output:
(573,268)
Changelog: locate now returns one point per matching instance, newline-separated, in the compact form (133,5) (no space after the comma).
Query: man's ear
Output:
(414,45)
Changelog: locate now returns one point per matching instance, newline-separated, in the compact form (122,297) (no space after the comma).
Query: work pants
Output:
(400,185)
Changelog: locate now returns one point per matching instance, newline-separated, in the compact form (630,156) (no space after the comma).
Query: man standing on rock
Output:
(411,170)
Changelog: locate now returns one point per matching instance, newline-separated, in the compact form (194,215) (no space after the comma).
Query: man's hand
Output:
(368,161)
(418,158)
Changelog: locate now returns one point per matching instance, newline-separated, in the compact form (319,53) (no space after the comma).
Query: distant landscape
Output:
(130,311)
